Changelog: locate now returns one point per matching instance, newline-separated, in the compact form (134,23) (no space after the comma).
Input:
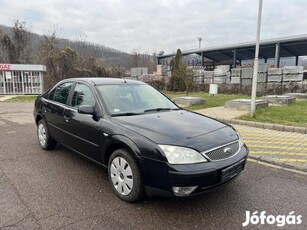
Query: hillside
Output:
(110,57)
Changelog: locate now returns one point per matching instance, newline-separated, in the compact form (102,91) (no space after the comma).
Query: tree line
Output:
(64,58)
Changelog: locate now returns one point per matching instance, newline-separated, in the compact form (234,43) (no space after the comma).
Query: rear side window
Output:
(60,93)
(82,96)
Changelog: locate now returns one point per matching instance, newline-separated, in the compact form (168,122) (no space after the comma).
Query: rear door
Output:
(53,110)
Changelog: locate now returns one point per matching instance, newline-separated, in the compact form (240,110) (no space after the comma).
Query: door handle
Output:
(66,118)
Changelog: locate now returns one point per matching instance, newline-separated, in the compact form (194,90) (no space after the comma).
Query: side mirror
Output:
(87,109)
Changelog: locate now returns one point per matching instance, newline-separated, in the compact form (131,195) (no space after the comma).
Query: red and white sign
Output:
(5,67)
(22,67)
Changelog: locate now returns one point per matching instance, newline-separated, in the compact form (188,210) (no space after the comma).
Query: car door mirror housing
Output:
(87,109)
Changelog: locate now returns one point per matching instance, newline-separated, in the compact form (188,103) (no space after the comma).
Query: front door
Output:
(83,129)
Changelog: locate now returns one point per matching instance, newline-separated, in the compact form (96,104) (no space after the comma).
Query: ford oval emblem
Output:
(228,151)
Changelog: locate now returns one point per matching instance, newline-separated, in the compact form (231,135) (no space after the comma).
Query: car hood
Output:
(181,128)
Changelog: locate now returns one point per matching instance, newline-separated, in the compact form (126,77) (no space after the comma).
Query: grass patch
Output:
(294,114)
(30,98)
(218,100)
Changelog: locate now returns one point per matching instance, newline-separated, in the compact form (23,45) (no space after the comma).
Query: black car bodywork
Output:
(96,133)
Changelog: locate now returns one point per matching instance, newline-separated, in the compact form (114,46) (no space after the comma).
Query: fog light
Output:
(182,191)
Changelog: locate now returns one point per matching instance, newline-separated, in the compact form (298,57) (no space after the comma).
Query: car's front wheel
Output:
(44,139)
(125,177)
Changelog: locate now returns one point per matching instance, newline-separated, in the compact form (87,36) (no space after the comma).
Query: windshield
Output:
(127,99)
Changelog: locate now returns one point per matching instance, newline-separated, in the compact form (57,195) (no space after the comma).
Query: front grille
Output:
(220,153)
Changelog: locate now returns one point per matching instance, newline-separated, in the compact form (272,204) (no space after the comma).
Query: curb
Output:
(278,127)
(274,164)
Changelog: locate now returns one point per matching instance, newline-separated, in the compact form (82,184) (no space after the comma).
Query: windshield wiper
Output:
(159,109)
(126,114)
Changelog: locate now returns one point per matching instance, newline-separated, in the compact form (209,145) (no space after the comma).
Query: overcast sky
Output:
(155,25)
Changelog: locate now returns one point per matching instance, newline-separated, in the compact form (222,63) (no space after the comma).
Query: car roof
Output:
(105,81)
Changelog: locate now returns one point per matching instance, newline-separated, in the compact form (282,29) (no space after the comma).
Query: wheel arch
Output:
(119,142)
(38,118)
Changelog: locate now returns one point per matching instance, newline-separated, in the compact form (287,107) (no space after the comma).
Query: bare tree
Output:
(16,44)
(135,58)
(60,63)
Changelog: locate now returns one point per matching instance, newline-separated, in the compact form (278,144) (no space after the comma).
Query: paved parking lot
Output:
(61,190)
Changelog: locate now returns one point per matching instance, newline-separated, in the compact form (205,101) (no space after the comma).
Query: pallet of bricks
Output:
(247,74)
(293,74)
(208,77)
(221,74)
(235,76)
(198,75)
(274,77)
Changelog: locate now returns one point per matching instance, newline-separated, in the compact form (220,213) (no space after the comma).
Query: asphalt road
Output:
(61,190)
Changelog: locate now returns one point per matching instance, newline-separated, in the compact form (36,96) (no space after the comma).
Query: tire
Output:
(125,176)
(44,139)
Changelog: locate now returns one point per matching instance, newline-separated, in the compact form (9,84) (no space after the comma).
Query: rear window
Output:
(60,93)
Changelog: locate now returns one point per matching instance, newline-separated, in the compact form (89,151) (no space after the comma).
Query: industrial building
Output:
(232,64)
(21,79)
(233,55)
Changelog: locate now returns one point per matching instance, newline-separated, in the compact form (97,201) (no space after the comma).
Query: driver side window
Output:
(82,96)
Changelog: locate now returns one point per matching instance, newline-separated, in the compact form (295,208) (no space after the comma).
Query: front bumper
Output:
(160,177)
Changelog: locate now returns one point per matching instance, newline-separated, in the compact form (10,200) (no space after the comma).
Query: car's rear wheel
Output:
(125,177)
(44,139)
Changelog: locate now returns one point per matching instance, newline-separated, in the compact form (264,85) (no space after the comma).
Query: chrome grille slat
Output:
(219,153)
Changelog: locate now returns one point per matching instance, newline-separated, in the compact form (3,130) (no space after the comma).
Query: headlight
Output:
(181,155)
(241,142)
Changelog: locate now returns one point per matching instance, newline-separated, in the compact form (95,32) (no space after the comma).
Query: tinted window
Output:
(129,98)
(51,94)
(82,96)
(61,93)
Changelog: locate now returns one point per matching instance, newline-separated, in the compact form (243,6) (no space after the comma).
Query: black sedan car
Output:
(149,144)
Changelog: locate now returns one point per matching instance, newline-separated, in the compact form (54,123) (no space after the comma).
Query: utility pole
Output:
(256,63)
(199,40)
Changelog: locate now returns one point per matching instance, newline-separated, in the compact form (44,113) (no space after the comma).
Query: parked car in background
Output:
(149,144)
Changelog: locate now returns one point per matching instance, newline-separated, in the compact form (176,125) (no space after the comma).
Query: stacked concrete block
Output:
(293,73)
(246,81)
(275,75)
(221,74)
(198,76)
(235,80)
(262,73)
(208,76)
(247,73)
(219,80)
(198,79)
(236,76)
(263,67)
(246,76)
(261,77)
